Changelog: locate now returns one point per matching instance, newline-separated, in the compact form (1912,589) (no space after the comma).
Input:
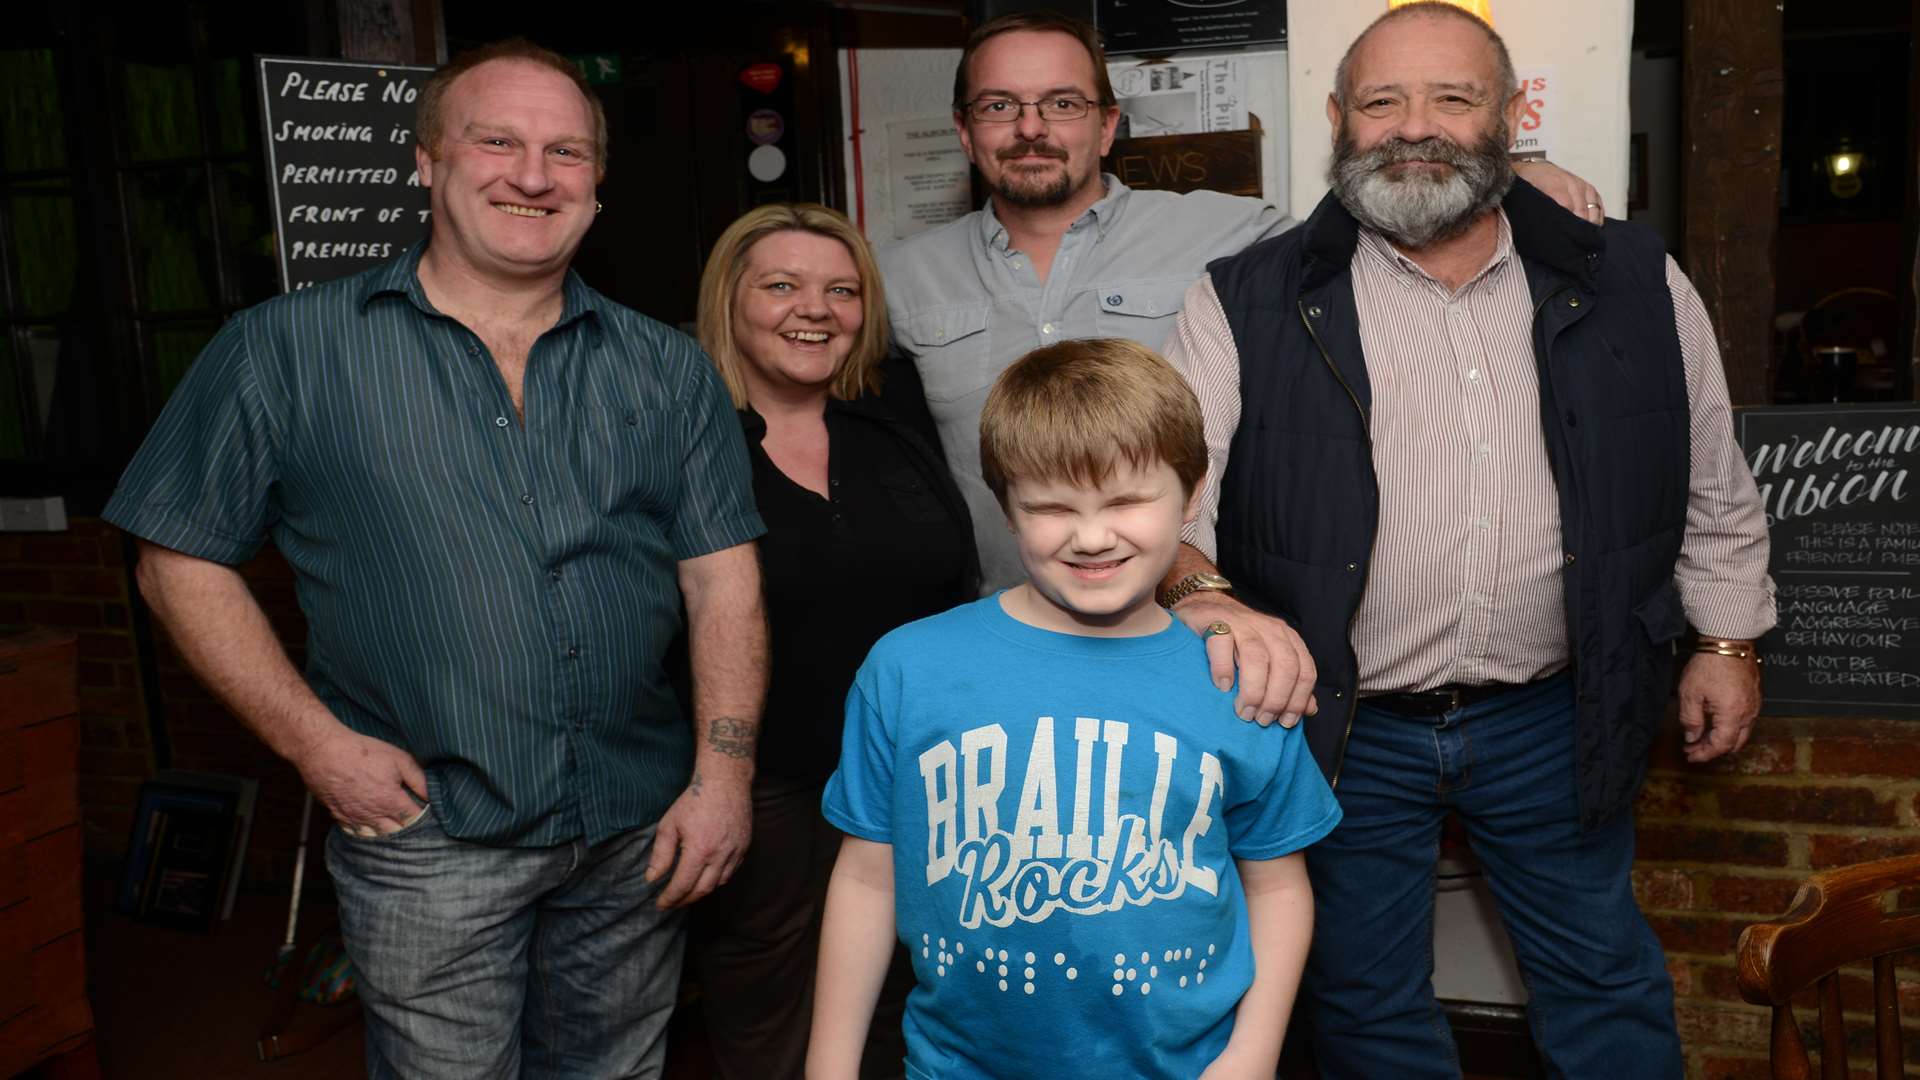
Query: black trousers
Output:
(755,941)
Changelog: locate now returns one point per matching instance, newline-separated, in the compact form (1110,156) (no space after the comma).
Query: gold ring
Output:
(1218,627)
(1593,206)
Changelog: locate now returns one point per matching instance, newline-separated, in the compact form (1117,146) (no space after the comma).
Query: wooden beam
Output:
(392,31)
(1731,65)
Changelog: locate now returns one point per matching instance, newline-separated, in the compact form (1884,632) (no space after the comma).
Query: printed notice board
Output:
(1841,486)
(1163,26)
(340,151)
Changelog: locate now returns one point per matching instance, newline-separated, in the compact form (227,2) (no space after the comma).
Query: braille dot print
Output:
(923,953)
(1117,990)
(1153,972)
(1203,964)
(1029,958)
(1029,988)
(943,943)
(1119,975)
(1130,974)
(941,970)
(1183,980)
(1209,950)
(1119,959)
(1003,984)
(1146,988)
(1003,969)
(1167,957)
(1029,973)
(1072,974)
(1188,954)
(1144,958)
(960,947)
(1200,978)
(980,965)
(1059,958)
(923,939)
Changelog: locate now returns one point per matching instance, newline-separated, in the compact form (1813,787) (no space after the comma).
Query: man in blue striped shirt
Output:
(497,488)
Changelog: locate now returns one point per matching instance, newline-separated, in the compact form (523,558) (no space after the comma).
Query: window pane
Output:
(162,118)
(47,249)
(172,238)
(175,346)
(252,273)
(236,127)
(13,415)
(31,128)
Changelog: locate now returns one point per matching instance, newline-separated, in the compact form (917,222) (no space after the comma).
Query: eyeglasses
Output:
(1005,110)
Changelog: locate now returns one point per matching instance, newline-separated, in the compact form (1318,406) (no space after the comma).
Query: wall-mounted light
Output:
(1843,169)
(1482,8)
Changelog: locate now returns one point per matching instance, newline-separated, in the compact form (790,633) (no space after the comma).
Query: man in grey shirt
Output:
(1062,251)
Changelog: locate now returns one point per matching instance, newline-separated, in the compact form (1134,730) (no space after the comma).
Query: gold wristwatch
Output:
(1193,583)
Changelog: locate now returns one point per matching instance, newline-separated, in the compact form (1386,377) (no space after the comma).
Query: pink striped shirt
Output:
(1465,583)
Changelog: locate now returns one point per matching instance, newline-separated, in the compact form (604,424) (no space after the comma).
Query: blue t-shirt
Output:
(1065,813)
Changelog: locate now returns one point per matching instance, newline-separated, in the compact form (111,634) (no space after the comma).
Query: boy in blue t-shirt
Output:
(1093,862)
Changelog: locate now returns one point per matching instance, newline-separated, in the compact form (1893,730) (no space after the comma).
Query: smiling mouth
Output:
(1103,568)
(807,337)
(522,211)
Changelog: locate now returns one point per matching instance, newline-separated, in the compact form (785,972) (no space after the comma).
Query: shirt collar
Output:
(401,277)
(1103,213)
(1380,249)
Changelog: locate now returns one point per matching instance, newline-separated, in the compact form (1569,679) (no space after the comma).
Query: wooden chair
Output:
(1839,917)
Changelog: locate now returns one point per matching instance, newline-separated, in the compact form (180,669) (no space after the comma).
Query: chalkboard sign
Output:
(1841,486)
(340,150)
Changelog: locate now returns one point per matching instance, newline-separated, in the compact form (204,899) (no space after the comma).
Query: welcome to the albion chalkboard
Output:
(340,149)
(1841,486)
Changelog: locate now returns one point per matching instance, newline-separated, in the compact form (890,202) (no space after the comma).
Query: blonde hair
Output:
(720,280)
(429,112)
(1073,410)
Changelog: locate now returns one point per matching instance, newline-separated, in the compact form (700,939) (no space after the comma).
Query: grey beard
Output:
(1420,210)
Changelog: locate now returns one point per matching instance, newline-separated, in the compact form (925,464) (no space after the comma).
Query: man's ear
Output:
(1334,116)
(966,137)
(423,163)
(1192,512)
(1516,108)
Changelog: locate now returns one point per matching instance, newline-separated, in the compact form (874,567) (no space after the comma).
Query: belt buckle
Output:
(1454,704)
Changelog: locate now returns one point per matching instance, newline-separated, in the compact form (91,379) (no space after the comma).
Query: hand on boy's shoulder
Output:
(1276,672)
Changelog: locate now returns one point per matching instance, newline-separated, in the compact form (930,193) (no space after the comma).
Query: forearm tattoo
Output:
(732,736)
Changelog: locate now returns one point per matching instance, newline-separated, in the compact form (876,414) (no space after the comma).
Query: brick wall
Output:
(81,580)
(1725,845)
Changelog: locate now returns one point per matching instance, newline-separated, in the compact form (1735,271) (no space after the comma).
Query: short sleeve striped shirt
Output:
(494,596)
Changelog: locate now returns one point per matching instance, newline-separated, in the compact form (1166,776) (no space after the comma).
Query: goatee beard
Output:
(1420,209)
(1028,189)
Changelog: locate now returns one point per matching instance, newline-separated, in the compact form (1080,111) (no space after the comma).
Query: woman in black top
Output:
(865,532)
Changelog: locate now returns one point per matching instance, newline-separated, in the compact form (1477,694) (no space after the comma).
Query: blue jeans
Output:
(1601,1002)
(479,961)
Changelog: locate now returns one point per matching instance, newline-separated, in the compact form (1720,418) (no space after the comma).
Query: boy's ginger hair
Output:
(1071,411)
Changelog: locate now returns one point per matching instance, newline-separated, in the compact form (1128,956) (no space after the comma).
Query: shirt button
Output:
(1047,329)
(528,499)
(553,575)
(573,652)
(1114,300)
(473,350)
(1573,301)
(1473,374)
(1313,312)
(499,421)
(1569,558)
(1353,567)
(1482,523)
(1015,264)
(1485,449)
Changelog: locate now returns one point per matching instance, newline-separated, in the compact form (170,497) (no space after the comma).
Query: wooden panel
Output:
(13,757)
(37,677)
(60,971)
(1733,88)
(48,1028)
(38,809)
(51,750)
(16,962)
(13,875)
(53,865)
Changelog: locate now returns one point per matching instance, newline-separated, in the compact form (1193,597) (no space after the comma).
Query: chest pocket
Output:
(626,459)
(1139,310)
(912,497)
(952,349)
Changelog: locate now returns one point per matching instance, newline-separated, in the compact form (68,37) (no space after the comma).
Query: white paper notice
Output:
(1533,137)
(1183,97)
(928,177)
